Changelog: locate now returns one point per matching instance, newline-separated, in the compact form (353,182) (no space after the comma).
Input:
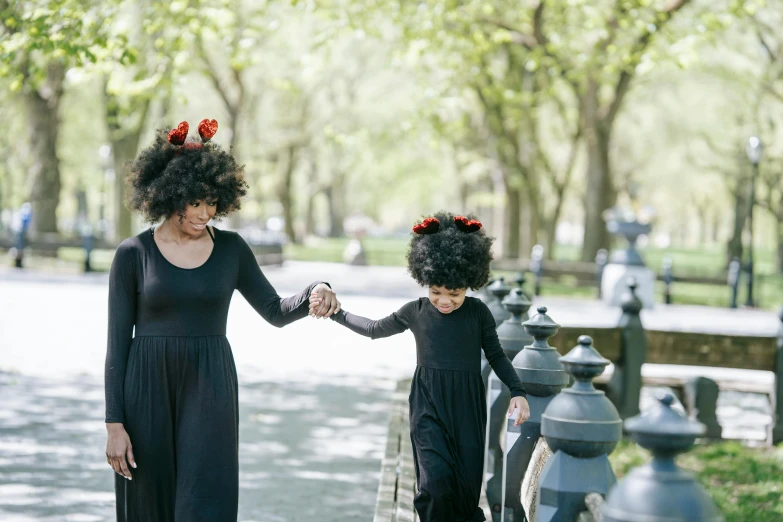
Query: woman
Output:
(171,389)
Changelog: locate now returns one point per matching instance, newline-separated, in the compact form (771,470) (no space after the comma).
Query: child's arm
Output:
(393,324)
(496,356)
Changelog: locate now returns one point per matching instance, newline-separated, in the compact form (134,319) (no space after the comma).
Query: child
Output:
(448,412)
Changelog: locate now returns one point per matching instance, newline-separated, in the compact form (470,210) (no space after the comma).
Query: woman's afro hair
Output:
(450,257)
(164,178)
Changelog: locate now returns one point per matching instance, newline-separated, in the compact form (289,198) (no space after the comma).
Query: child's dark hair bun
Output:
(451,257)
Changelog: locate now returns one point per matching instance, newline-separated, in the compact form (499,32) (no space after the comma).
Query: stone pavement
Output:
(314,403)
(308,450)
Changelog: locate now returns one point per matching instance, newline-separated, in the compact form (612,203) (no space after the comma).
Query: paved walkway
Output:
(314,398)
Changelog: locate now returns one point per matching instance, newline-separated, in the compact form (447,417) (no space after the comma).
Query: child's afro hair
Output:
(450,257)
(164,178)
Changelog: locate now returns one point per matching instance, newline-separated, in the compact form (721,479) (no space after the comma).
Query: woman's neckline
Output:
(211,254)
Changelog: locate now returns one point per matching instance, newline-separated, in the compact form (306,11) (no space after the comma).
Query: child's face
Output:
(446,300)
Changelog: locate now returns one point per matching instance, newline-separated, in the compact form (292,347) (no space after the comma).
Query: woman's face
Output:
(446,300)
(194,219)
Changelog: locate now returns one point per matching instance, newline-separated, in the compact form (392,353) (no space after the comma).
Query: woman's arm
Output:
(258,291)
(393,324)
(122,316)
(495,355)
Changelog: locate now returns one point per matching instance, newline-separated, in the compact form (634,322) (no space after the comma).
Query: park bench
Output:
(586,274)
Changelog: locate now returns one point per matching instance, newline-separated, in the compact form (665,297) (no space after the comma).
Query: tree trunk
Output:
(734,247)
(703,216)
(550,232)
(599,194)
(285,194)
(550,225)
(124,150)
(43,106)
(310,215)
(336,197)
(498,187)
(533,216)
(234,123)
(464,192)
(526,240)
(715,230)
(513,215)
(779,228)
(124,135)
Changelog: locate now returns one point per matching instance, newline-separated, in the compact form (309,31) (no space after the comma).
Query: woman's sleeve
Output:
(258,291)
(496,356)
(122,316)
(393,324)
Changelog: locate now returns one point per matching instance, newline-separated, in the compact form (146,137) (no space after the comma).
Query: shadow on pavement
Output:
(308,450)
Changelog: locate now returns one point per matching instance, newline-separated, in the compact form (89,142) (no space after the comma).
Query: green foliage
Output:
(408,105)
(74,32)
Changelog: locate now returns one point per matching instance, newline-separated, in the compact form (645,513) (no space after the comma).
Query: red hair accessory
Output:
(180,134)
(467,225)
(428,226)
(207,129)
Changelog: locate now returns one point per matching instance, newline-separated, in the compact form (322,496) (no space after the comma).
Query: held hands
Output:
(323,302)
(118,449)
(523,409)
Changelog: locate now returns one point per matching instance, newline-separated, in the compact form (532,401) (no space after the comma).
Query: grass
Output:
(384,252)
(745,483)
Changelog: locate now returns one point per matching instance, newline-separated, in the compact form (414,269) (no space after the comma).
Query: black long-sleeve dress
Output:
(447,400)
(174,384)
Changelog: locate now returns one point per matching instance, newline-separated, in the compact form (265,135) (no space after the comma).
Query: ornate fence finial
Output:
(513,338)
(540,371)
(581,426)
(630,302)
(499,289)
(669,493)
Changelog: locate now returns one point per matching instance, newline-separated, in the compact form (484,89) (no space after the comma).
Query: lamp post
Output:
(753,149)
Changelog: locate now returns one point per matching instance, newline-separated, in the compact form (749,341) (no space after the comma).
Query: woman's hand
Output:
(118,449)
(323,301)
(523,409)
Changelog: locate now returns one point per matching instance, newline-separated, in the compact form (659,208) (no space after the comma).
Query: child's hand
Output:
(323,302)
(523,409)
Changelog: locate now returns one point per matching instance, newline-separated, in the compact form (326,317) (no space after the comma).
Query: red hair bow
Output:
(428,226)
(467,225)
(206,129)
(180,134)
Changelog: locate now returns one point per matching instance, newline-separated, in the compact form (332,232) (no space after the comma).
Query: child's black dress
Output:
(174,384)
(447,401)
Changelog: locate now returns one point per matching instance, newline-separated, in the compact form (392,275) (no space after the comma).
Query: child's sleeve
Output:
(393,324)
(495,355)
